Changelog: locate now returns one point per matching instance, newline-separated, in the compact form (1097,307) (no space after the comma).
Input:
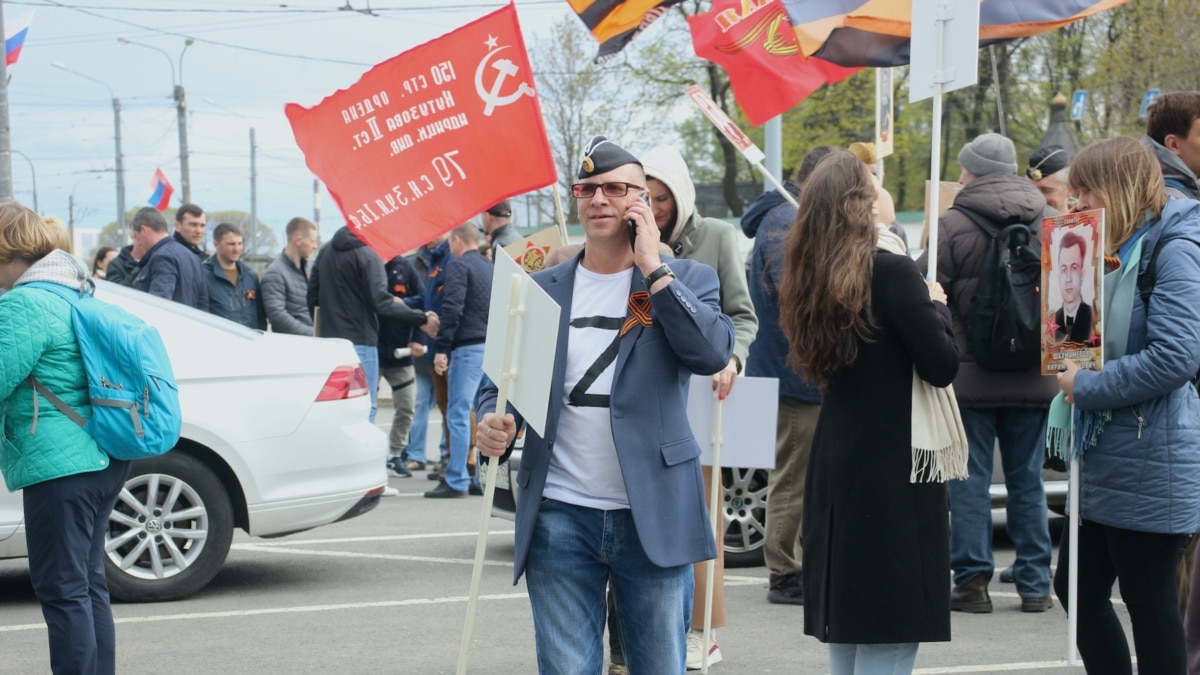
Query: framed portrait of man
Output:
(1072,290)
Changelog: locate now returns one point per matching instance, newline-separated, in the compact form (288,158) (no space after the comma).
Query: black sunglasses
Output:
(588,190)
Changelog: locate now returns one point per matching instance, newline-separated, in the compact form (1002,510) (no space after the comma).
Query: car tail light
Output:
(344,382)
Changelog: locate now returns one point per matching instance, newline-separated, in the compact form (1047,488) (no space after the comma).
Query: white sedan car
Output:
(275,441)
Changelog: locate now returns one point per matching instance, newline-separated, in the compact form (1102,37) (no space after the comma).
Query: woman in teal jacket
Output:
(1137,432)
(69,484)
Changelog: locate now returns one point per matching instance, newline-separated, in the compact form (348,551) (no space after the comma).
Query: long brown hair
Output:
(1125,175)
(825,292)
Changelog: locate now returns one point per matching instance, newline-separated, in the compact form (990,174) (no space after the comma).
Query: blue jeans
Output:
(1021,433)
(369,355)
(420,425)
(65,522)
(574,554)
(466,369)
(885,659)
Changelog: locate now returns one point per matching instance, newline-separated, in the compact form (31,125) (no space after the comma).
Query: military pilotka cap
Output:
(602,155)
(1047,161)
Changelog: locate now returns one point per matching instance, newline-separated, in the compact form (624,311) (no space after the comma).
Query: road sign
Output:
(1147,101)
(1078,103)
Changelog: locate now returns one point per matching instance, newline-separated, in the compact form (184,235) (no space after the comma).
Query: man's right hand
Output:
(431,325)
(494,434)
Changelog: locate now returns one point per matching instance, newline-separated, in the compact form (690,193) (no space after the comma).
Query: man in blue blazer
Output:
(613,492)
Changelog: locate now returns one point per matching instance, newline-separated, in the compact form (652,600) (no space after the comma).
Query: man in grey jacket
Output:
(284,285)
(1009,406)
(1173,134)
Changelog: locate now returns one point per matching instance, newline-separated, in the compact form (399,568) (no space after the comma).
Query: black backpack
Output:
(1146,281)
(1003,327)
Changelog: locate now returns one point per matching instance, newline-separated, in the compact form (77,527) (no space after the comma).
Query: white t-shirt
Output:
(583,467)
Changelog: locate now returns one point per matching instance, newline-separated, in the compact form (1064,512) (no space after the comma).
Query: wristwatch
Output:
(662,271)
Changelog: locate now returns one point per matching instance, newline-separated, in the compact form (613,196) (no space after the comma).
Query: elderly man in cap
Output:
(612,492)
(1009,406)
(498,227)
(1048,171)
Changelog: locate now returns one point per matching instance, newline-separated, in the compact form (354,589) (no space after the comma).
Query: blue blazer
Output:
(659,456)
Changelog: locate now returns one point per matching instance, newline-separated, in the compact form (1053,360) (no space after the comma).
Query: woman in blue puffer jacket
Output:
(1138,425)
(69,484)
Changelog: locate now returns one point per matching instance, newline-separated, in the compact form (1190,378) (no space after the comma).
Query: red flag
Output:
(431,137)
(754,43)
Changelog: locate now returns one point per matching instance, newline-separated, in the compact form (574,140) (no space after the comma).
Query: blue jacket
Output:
(171,271)
(769,351)
(435,260)
(241,303)
(403,282)
(1144,471)
(659,456)
(466,299)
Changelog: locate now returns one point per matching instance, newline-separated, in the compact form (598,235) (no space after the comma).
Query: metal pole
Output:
(253,198)
(6,185)
(317,204)
(996,84)
(120,169)
(33,175)
(181,114)
(181,111)
(773,142)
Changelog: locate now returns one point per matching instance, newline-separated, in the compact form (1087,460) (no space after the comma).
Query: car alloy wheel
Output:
(169,532)
(745,493)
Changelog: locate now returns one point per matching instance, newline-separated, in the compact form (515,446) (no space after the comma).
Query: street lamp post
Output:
(180,110)
(33,176)
(116,104)
(71,210)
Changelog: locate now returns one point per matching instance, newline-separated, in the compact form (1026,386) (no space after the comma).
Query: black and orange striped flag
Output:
(615,22)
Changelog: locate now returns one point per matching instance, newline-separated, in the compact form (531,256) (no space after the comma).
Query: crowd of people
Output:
(612,531)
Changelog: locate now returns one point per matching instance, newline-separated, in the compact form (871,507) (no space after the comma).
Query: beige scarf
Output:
(939,442)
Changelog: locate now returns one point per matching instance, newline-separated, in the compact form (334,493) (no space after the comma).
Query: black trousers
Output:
(1143,564)
(65,522)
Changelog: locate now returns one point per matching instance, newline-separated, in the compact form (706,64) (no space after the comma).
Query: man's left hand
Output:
(441,363)
(645,248)
(723,381)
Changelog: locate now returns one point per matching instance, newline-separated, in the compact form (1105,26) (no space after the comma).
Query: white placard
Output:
(948,29)
(749,425)
(535,341)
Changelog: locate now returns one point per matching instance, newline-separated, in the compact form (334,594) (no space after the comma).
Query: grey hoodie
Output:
(1174,168)
(708,240)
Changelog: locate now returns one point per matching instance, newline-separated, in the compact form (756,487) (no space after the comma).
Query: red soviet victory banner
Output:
(431,137)
(753,41)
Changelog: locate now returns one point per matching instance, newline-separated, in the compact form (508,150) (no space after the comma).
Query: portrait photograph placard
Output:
(1072,290)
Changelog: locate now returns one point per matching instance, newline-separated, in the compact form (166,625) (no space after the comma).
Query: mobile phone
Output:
(632,227)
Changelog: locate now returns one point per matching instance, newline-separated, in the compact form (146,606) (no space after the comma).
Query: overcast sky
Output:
(306,49)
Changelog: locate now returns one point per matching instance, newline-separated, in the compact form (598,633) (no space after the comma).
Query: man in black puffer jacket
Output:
(349,284)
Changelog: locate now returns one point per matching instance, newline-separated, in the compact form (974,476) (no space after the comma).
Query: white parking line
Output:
(997,667)
(387,537)
(283,610)
(375,556)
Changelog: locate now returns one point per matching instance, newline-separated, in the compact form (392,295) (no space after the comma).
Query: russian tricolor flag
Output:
(160,191)
(15,32)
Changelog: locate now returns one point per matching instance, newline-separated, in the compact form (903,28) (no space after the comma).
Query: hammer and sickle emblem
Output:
(505,70)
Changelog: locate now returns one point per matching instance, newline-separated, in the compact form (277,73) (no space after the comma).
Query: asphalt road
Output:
(387,593)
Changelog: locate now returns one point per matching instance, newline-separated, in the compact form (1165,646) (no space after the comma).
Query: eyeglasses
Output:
(588,190)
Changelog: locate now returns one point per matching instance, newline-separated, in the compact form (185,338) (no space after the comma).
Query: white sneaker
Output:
(390,491)
(695,649)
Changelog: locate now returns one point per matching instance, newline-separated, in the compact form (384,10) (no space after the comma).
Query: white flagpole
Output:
(516,312)
(1073,549)
(714,514)
(559,214)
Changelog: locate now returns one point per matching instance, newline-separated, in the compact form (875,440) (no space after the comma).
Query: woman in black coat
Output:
(859,319)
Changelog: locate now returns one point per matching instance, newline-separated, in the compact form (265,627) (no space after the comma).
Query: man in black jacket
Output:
(466,301)
(122,268)
(398,346)
(349,283)
(189,229)
(165,267)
